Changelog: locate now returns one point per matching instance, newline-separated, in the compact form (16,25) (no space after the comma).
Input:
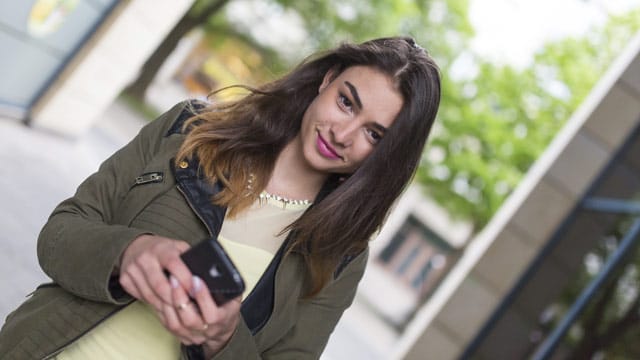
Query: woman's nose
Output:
(343,133)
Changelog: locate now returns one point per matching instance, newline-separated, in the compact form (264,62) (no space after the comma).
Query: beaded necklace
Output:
(285,201)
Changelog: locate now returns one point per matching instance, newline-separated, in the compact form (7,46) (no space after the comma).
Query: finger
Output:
(174,325)
(232,310)
(208,307)
(192,335)
(128,285)
(220,319)
(157,280)
(164,255)
(182,246)
(186,341)
(188,315)
(174,264)
(162,317)
(140,282)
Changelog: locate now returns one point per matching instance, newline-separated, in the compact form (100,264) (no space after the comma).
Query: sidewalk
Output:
(39,171)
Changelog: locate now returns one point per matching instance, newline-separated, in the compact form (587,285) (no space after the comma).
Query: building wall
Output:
(415,249)
(37,38)
(495,260)
(103,67)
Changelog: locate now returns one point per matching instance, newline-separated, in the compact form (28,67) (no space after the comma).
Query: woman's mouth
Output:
(325,149)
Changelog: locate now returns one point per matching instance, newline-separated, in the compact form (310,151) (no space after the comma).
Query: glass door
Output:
(37,39)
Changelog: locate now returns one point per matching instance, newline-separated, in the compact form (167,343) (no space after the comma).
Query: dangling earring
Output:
(249,187)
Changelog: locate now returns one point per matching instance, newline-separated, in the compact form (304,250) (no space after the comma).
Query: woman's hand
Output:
(142,269)
(209,324)
(201,322)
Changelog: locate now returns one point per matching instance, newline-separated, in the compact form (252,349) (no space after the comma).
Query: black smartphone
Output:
(210,262)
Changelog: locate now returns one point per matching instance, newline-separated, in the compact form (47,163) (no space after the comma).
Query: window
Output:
(38,38)
(417,257)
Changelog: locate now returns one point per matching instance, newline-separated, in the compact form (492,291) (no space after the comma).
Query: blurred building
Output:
(408,259)
(495,302)
(65,61)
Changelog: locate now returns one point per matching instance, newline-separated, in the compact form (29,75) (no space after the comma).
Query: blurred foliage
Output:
(496,123)
(147,111)
(327,23)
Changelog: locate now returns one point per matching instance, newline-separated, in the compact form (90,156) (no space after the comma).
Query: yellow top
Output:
(135,332)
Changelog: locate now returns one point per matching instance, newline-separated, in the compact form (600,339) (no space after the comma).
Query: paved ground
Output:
(39,170)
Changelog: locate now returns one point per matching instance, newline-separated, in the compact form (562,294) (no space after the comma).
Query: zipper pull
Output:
(151,177)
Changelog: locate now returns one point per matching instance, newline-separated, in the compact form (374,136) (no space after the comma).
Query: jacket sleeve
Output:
(316,319)
(80,245)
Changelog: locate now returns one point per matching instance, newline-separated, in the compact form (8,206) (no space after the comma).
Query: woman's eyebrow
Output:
(354,93)
(380,128)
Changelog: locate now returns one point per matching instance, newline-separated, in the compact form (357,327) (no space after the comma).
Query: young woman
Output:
(292,179)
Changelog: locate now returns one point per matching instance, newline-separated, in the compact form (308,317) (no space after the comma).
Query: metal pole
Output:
(616,206)
(551,342)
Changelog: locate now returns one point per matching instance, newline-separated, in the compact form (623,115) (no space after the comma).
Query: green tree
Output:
(494,125)
(326,23)
(200,13)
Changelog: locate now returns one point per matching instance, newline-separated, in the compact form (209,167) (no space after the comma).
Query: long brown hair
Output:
(238,142)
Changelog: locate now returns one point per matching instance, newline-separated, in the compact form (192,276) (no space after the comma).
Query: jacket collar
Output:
(199,192)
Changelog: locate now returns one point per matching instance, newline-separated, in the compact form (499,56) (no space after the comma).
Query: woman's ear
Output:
(328,78)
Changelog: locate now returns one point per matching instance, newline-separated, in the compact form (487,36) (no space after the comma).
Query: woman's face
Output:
(347,119)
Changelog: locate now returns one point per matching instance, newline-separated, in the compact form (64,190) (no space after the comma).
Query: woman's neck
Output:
(292,177)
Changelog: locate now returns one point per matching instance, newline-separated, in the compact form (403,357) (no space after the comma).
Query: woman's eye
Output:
(374,135)
(345,102)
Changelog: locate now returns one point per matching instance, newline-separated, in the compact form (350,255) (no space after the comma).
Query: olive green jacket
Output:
(85,236)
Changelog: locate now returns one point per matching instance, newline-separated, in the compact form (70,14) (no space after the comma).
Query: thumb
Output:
(182,246)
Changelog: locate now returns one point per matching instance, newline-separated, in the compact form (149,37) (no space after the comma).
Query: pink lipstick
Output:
(325,149)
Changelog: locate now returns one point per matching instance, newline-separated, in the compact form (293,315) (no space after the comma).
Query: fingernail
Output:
(196,284)
(174,282)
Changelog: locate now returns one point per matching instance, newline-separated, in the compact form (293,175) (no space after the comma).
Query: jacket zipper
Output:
(181,190)
(195,211)
(151,177)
